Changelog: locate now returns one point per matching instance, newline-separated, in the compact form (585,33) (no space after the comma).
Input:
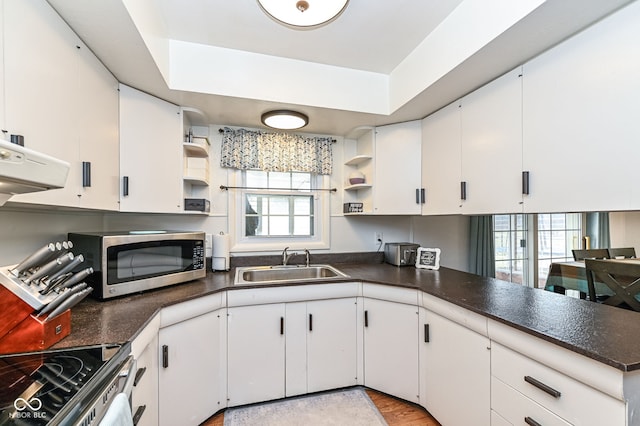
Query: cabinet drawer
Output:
(514,407)
(573,401)
(144,396)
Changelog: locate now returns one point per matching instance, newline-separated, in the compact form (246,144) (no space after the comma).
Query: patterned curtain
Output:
(276,152)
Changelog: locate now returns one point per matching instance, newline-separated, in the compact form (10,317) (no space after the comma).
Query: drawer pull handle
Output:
(165,356)
(139,375)
(545,388)
(528,420)
(138,415)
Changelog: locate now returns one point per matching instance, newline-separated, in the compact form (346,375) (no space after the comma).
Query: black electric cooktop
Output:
(46,388)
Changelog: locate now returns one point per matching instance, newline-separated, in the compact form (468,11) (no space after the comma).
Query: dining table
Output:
(572,275)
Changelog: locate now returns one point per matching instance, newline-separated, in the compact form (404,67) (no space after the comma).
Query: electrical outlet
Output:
(378,236)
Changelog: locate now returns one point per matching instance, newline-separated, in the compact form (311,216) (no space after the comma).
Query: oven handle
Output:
(129,374)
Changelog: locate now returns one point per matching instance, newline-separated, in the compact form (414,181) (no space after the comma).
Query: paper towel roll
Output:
(220,255)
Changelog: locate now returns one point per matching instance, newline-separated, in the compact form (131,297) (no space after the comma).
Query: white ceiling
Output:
(372,38)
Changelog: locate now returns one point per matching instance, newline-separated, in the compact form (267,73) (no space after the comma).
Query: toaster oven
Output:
(400,254)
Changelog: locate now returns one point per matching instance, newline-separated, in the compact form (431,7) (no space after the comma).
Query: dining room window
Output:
(527,244)
(557,234)
(510,242)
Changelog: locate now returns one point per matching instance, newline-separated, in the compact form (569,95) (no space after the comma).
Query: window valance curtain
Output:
(275,152)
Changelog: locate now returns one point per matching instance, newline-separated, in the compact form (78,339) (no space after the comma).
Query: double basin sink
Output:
(285,273)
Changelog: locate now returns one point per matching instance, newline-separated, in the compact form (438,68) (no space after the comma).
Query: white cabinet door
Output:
(455,372)
(256,353)
(331,344)
(491,137)
(64,102)
(41,87)
(441,156)
(581,127)
(190,373)
(97,134)
(150,153)
(397,168)
(144,397)
(391,348)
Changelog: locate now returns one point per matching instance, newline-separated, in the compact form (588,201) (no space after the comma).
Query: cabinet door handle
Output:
(125,185)
(139,375)
(310,322)
(528,420)
(281,325)
(366,318)
(86,174)
(525,182)
(165,356)
(423,196)
(543,387)
(138,415)
(463,190)
(426,333)
(417,195)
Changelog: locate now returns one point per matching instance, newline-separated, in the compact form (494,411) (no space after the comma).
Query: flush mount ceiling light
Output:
(303,14)
(284,119)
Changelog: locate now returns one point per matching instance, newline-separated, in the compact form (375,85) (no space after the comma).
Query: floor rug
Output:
(351,407)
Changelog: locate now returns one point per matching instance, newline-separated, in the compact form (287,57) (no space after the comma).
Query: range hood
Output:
(24,170)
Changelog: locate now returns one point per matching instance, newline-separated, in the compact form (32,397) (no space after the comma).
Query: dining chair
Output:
(590,254)
(627,252)
(622,278)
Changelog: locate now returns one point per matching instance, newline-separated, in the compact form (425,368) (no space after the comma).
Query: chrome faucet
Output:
(286,256)
(307,257)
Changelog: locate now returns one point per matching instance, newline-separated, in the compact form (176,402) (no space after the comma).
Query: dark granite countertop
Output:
(604,333)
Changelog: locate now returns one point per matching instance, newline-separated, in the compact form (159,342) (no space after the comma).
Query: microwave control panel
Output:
(198,256)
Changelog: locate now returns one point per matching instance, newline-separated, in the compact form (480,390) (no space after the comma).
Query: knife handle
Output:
(72,301)
(34,259)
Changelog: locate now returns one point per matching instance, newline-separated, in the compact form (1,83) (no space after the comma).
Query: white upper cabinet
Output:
(491,123)
(151,158)
(388,157)
(581,127)
(63,101)
(98,132)
(397,169)
(441,174)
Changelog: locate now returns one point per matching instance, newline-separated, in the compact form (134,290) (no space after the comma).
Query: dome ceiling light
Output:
(283,119)
(302,14)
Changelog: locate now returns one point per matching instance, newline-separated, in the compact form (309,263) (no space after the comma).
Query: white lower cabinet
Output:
(144,397)
(332,359)
(514,408)
(287,349)
(455,367)
(191,377)
(256,350)
(391,348)
(521,387)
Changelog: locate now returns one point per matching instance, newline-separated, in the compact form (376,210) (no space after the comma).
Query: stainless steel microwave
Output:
(135,261)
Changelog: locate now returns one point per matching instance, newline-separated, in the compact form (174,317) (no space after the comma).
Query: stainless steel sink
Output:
(278,274)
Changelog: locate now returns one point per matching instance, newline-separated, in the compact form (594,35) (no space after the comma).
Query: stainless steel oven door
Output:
(120,382)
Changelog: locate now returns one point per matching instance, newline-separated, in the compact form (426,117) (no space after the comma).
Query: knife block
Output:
(22,331)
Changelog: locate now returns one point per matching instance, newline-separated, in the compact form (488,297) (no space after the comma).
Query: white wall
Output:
(24,231)
(448,233)
(625,229)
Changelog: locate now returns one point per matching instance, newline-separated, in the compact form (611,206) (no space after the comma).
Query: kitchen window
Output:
(281,209)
